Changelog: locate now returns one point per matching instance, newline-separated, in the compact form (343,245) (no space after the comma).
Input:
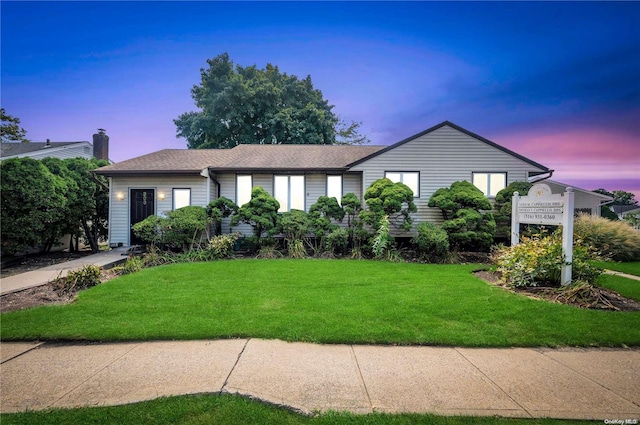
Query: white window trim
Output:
(173,197)
(416,193)
(237,191)
(488,174)
(304,191)
(339,198)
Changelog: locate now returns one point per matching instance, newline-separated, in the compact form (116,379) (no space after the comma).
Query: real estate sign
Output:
(542,206)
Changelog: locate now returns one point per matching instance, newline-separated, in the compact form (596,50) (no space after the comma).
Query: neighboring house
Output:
(41,150)
(61,150)
(623,210)
(297,175)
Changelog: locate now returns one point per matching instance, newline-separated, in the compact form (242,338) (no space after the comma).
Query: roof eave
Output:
(134,173)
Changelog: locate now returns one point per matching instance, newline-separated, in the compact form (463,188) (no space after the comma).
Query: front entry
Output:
(142,206)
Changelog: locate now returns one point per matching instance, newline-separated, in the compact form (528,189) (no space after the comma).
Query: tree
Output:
(10,130)
(350,133)
(466,218)
(32,201)
(386,198)
(93,213)
(620,197)
(321,216)
(219,209)
(261,213)
(255,106)
(503,206)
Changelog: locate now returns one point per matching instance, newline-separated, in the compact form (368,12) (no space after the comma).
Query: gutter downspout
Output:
(540,177)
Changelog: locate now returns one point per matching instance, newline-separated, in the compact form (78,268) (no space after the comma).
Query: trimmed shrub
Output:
(338,241)
(538,260)
(221,246)
(614,240)
(77,280)
(261,213)
(467,219)
(431,243)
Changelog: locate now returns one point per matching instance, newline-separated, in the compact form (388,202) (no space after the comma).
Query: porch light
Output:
(161,196)
(120,196)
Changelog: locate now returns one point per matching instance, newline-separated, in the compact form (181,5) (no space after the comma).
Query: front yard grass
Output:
(325,301)
(632,267)
(232,409)
(626,287)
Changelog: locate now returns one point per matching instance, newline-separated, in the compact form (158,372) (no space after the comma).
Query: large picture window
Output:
(334,187)
(289,192)
(244,184)
(181,198)
(490,183)
(410,178)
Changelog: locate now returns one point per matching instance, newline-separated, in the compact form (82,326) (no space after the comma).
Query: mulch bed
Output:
(602,298)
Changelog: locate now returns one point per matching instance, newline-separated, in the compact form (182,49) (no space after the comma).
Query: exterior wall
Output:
(315,186)
(119,213)
(442,157)
(583,200)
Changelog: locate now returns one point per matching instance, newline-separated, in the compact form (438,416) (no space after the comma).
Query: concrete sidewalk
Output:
(47,274)
(558,383)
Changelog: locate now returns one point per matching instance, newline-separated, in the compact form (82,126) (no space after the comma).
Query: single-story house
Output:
(297,175)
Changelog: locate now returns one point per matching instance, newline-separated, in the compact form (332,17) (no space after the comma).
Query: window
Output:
(490,183)
(411,179)
(334,187)
(181,198)
(244,184)
(289,192)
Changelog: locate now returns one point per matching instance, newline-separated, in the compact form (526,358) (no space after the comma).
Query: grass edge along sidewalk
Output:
(233,409)
(325,301)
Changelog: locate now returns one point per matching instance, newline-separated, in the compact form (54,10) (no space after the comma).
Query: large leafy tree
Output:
(240,105)
(32,202)
(93,191)
(10,129)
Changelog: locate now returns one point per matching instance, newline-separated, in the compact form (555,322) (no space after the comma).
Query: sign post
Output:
(544,207)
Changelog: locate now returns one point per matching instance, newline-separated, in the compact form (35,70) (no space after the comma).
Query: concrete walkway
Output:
(558,383)
(47,274)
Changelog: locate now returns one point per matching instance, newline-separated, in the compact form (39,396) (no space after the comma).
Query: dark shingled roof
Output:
(243,157)
(294,157)
(11,149)
(167,161)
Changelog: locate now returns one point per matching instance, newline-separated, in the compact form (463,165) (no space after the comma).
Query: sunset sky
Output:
(556,82)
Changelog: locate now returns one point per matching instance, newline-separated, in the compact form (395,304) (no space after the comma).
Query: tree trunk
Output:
(93,241)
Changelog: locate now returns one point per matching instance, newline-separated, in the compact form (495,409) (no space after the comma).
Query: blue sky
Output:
(558,82)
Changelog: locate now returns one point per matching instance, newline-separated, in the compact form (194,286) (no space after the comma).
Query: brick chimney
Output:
(101,145)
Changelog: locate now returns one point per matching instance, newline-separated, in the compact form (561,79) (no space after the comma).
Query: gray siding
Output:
(442,157)
(315,186)
(119,215)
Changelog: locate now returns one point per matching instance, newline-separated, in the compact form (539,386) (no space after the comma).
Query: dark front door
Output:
(142,206)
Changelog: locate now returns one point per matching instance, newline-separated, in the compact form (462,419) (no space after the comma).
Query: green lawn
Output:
(629,288)
(632,267)
(230,409)
(328,301)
